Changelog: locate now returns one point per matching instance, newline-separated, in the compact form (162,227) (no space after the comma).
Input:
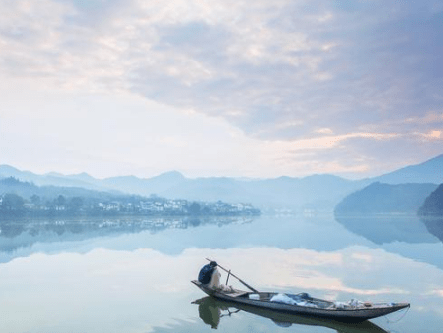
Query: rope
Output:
(405,311)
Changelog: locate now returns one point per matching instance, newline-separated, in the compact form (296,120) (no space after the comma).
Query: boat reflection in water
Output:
(212,310)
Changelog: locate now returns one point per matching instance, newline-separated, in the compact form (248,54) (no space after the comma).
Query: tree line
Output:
(39,203)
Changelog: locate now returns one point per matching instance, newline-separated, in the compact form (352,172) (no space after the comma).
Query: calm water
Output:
(130,275)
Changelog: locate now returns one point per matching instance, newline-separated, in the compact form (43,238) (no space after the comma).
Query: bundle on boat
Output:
(304,299)
(299,299)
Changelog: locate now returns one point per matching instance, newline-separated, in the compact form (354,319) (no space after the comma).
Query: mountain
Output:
(430,171)
(9,171)
(379,198)
(27,189)
(83,177)
(319,192)
(127,184)
(431,213)
(154,185)
(377,213)
(52,178)
(433,205)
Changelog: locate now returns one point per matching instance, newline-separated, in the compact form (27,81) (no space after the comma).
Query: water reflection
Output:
(435,226)
(16,234)
(119,288)
(408,235)
(383,229)
(212,310)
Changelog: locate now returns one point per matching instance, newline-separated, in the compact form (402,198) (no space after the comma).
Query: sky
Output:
(238,88)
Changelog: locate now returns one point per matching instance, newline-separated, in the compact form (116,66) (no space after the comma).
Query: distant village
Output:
(167,207)
(13,204)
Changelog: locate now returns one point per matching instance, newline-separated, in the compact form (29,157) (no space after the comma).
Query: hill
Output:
(322,192)
(52,179)
(154,185)
(431,213)
(317,192)
(379,198)
(430,171)
(433,205)
(24,199)
(27,189)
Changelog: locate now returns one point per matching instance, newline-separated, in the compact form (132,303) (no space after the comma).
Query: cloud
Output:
(303,72)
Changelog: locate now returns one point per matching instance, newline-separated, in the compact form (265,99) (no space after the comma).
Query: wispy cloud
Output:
(309,73)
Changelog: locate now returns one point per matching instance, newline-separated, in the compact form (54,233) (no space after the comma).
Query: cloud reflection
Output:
(117,287)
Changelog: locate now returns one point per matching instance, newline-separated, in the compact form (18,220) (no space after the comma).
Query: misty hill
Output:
(27,189)
(379,198)
(154,185)
(127,184)
(433,205)
(52,179)
(320,192)
(431,213)
(427,172)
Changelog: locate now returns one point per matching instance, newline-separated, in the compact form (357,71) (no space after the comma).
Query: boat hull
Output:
(345,315)
(282,319)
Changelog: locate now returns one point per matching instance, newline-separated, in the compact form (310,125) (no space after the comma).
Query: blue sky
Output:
(220,88)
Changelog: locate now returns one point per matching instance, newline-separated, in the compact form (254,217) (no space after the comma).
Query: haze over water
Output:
(289,106)
(133,275)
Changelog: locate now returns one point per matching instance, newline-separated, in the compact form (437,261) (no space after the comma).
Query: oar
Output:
(241,281)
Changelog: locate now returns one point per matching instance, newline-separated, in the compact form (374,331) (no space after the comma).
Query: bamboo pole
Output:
(240,280)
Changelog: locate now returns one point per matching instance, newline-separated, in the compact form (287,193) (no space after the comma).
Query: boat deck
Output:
(231,293)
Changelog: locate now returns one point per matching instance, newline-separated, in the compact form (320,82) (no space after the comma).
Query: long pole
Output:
(241,281)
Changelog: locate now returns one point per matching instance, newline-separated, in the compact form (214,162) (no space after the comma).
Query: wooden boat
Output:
(303,304)
(213,318)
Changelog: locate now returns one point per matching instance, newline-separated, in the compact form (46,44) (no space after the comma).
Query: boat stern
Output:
(205,289)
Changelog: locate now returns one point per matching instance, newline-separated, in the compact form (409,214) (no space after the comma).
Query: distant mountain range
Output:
(319,191)
(316,191)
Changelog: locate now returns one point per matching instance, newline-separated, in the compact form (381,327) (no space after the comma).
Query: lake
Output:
(133,274)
